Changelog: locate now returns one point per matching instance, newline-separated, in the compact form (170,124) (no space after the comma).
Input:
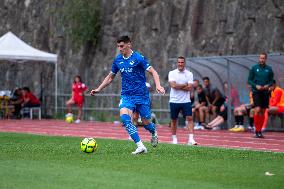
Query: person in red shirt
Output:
(29,99)
(78,89)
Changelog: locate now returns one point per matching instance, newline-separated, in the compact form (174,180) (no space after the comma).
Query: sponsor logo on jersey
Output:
(128,70)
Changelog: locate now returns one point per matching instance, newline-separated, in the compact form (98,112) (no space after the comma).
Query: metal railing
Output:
(107,105)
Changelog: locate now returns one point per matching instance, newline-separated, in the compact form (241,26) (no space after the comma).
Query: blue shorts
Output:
(177,107)
(141,105)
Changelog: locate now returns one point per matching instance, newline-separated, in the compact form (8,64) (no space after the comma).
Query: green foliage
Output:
(81,20)
(103,116)
(59,115)
(32,161)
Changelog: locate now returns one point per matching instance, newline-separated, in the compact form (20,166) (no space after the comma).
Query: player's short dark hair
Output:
(124,39)
(206,78)
(196,80)
(79,77)
(199,86)
(264,53)
(26,89)
(181,57)
(273,81)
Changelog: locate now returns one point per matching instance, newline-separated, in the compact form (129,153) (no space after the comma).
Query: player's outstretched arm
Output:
(108,79)
(155,75)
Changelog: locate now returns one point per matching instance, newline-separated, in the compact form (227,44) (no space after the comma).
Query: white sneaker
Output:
(192,142)
(140,150)
(77,121)
(69,115)
(250,128)
(198,127)
(175,141)
(216,128)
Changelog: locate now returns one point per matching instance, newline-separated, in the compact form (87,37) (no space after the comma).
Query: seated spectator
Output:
(221,117)
(276,102)
(29,99)
(201,109)
(240,112)
(17,100)
(214,97)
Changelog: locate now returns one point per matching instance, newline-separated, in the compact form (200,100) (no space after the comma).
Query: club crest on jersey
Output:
(132,62)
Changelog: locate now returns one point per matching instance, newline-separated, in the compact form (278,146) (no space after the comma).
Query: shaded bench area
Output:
(276,122)
(234,70)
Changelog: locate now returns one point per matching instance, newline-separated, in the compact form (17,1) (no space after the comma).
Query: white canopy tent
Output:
(13,48)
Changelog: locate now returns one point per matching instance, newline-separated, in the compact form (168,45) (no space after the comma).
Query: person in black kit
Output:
(216,104)
(17,100)
(260,78)
(201,109)
(214,97)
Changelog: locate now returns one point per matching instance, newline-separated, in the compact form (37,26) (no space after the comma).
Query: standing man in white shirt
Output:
(181,81)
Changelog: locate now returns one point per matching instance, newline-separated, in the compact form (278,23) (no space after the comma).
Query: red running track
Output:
(273,141)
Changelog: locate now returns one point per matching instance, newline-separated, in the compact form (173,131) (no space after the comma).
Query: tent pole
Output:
(56,88)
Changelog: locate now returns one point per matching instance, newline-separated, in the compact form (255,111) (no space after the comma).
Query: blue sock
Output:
(151,128)
(130,128)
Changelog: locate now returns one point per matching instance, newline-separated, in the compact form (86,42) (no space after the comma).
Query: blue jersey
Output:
(132,70)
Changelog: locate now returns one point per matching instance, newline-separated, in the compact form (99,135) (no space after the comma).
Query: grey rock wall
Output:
(160,29)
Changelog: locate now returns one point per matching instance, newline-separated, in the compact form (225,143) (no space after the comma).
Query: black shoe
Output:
(260,135)
(206,127)
(256,135)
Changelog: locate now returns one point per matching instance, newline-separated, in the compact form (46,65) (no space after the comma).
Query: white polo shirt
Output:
(180,77)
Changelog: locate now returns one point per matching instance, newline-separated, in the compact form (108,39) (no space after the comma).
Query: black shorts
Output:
(219,102)
(261,99)
(223,114)
(177,107)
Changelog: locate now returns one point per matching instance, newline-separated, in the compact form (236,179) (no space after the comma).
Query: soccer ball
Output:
(89,145)
(69,118)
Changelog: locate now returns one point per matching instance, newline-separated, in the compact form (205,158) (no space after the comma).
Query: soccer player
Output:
(276,102)
(215,99)
(221,117)
(181,81)
(201,108)
(78,89)
(134,94)
(260,78)
(209,90)
(240,112)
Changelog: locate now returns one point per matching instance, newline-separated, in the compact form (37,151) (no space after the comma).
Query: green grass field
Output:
(32,161)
